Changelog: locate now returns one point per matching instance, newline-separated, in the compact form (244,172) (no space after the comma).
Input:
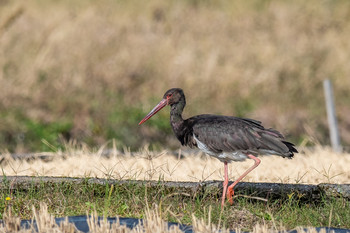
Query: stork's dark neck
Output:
(176,115)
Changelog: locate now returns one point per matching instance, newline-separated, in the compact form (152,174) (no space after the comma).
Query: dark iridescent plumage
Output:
(225,133)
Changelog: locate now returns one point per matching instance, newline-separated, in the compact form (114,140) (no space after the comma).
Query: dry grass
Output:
(312,167)
(46,223)
(152,223)
(81,62)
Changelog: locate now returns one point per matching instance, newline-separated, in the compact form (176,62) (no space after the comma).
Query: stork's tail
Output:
(291,148)
(275,140)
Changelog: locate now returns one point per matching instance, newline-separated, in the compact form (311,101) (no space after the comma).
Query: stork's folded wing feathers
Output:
(230,134)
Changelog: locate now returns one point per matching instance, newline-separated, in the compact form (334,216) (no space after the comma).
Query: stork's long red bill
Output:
(162,104)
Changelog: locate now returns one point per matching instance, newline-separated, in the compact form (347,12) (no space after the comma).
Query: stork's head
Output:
(171,96)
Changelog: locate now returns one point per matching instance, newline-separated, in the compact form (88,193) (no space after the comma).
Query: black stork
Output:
(227,138)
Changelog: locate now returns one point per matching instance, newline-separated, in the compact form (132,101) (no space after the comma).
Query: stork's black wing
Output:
(229,134)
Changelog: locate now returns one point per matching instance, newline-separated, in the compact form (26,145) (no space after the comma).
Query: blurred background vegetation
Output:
(88,71)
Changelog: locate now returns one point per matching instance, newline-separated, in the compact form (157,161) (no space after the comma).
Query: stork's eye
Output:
(169,96)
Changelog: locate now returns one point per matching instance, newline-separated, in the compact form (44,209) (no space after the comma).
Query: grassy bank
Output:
(89,71)
(64,199)
(176,204)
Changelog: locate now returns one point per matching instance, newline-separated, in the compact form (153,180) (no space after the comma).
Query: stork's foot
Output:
(230,194)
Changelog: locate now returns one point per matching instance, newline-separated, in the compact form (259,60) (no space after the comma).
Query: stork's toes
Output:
(230,194)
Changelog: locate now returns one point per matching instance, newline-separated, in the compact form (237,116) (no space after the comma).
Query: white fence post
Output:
(331,115)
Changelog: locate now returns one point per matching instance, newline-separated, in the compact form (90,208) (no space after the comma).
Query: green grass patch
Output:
(20,131)
(174,204)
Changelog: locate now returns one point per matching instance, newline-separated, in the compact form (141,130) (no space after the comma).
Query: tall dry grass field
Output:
(89,70)
(311,167)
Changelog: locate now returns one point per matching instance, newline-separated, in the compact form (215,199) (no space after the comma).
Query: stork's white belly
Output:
(224,156)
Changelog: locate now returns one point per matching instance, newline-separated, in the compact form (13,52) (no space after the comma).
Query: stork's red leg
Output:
(224,185)
(230,191)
